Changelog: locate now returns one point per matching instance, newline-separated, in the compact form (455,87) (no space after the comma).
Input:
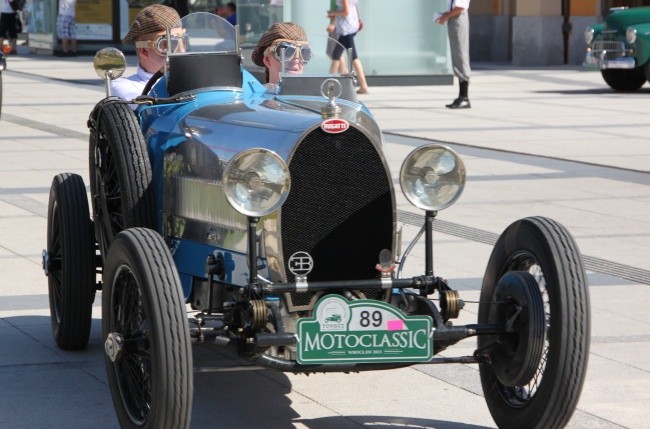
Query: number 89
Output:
(366,319)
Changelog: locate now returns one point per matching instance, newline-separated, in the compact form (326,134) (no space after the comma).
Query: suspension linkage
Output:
(427,283)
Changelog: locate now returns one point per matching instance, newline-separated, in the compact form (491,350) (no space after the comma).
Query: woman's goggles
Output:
(290,50)
(162,45)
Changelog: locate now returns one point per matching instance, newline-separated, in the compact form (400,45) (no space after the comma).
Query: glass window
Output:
(205,5)
(398,38)
(256,16)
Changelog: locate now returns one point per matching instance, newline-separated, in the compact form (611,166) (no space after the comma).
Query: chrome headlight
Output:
(589,35)
(630,35)
(256,182)
(432,177)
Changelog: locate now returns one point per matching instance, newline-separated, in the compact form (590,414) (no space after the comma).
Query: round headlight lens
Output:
(432,177)
(630,35)
(256,182)
(589,35)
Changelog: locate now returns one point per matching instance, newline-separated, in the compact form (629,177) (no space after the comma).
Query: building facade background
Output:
(399,41)
(536,32)
(399,37)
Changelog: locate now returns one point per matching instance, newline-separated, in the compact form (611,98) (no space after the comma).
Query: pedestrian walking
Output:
(66,27)
(8,27)
(332,41)
(457,20)
(231,13)
(347,26)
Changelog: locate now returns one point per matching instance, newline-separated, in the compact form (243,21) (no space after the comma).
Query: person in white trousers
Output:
(457,20)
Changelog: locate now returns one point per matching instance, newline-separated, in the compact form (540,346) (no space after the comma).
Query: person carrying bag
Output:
(360,20)
(347,26)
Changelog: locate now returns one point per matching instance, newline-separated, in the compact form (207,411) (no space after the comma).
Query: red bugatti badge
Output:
(334,125)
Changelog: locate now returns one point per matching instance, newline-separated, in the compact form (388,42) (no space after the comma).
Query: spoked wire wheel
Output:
(519,389)
(542,253)
(120,173)
(70,262)
(134,367)
(147,346)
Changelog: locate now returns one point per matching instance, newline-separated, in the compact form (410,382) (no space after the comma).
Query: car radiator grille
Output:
(608,45)
(339,209)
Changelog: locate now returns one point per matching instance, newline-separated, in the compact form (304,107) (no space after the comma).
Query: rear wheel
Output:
(148,354)
(624,79)
(70,262)
(542,389)
(120,173)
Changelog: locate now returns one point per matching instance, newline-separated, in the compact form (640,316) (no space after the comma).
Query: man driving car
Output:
(149,34)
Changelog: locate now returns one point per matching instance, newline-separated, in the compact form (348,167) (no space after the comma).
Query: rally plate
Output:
(362,331)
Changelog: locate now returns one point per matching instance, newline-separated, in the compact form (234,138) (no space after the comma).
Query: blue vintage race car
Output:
(271,213)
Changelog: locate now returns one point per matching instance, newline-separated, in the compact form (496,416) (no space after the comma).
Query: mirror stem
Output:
(428,237)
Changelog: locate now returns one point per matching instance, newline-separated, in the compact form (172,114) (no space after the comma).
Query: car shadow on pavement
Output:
(247,396)
(237,393)
(72,390)
(595,91)
(386,422)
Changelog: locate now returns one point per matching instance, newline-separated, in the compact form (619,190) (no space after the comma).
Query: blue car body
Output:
(221,123)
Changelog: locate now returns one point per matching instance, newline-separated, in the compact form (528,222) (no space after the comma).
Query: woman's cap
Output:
(280,30)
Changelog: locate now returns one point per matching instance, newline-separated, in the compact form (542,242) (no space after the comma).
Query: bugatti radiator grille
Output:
(339,210)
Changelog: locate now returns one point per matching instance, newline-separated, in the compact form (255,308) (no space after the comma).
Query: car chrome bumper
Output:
(600,60)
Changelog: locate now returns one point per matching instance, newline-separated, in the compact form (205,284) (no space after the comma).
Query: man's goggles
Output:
(162,45)
(290,50)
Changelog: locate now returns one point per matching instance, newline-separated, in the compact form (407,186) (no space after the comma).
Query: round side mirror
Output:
(109,63)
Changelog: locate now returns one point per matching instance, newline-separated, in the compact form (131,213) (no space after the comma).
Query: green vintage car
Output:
(620,48)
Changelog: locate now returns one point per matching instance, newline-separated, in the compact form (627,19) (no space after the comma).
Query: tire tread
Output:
(559,391)
(77,261)
(145,249)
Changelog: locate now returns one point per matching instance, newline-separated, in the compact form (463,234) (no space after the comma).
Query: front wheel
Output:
(146,333)
(536,385)
(120,173)
(625,80)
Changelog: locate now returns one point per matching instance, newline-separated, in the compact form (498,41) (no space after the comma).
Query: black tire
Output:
(545,249)
(625,80)
(120,174)
(151,379)
(70,262)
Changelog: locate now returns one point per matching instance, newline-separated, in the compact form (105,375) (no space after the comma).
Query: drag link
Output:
(427,283)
